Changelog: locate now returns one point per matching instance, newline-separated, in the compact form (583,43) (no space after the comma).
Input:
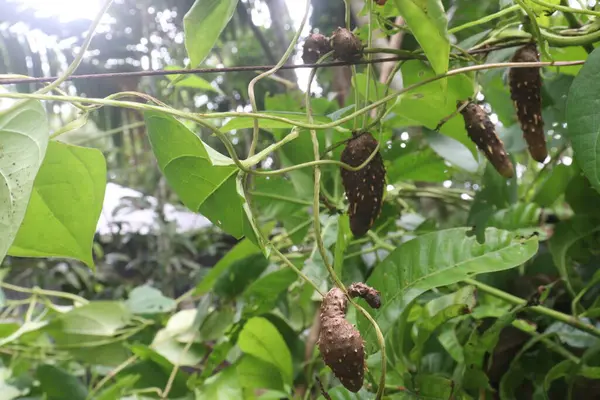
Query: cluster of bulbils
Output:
(525,90)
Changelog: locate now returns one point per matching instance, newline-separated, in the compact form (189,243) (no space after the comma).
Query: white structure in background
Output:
(141,220)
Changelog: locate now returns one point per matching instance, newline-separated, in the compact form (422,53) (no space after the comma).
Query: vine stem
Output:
(197,117)
(485,19)
(111,375)
(548,312)
(282,61)
(319,240)
(44,292)
(565,9)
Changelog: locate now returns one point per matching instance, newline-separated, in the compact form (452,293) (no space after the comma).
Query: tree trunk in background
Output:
(280,18)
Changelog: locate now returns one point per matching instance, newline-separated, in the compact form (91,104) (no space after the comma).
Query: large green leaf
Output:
(439,259)
(566,234)
(205,180)
(428,23)
(65,205)
(203,25)
(583,118)
(24,135)
(262,340)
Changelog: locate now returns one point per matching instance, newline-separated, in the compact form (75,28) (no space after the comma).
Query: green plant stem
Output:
(36,291)
(485,19)
(279,64)
(541,310)
(292,200)
(567,41)
(255,159)
(111,132)
(369,66)
(111,375)
(534,25)
(565,9)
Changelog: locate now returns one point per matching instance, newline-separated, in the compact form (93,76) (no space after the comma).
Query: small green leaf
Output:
(439,311)
(566,234)
(24,135)
(439,259)
(205,180)
(99,318)
(203,25)
(237,123)
(583,110)
(191,81)
(58,384)
(428,23)
(427,105)
(148,300)
(262,294)
(573,337)
(222,386)
(239,275)
(119,389)
(258,374)
(65,205)
(424,165)
(453,151)
(560,370)
(582,197)
(262,340)
(554,186)
(243,249)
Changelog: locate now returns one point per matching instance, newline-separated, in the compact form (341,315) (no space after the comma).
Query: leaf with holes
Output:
(23,141)
(65,205)
(439,259)
(203,25)
(205,180)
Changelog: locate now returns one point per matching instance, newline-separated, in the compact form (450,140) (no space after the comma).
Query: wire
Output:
(10,81)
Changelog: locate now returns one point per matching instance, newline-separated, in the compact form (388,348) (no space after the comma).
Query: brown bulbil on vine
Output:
(482,132)
(315,46)
(346,46)
(380,2)
(365,187)
(341,346)
(525,90)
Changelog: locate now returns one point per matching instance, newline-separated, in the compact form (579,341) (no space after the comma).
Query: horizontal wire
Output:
(9,81)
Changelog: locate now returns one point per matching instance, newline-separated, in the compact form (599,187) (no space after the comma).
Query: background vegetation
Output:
(489,285)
